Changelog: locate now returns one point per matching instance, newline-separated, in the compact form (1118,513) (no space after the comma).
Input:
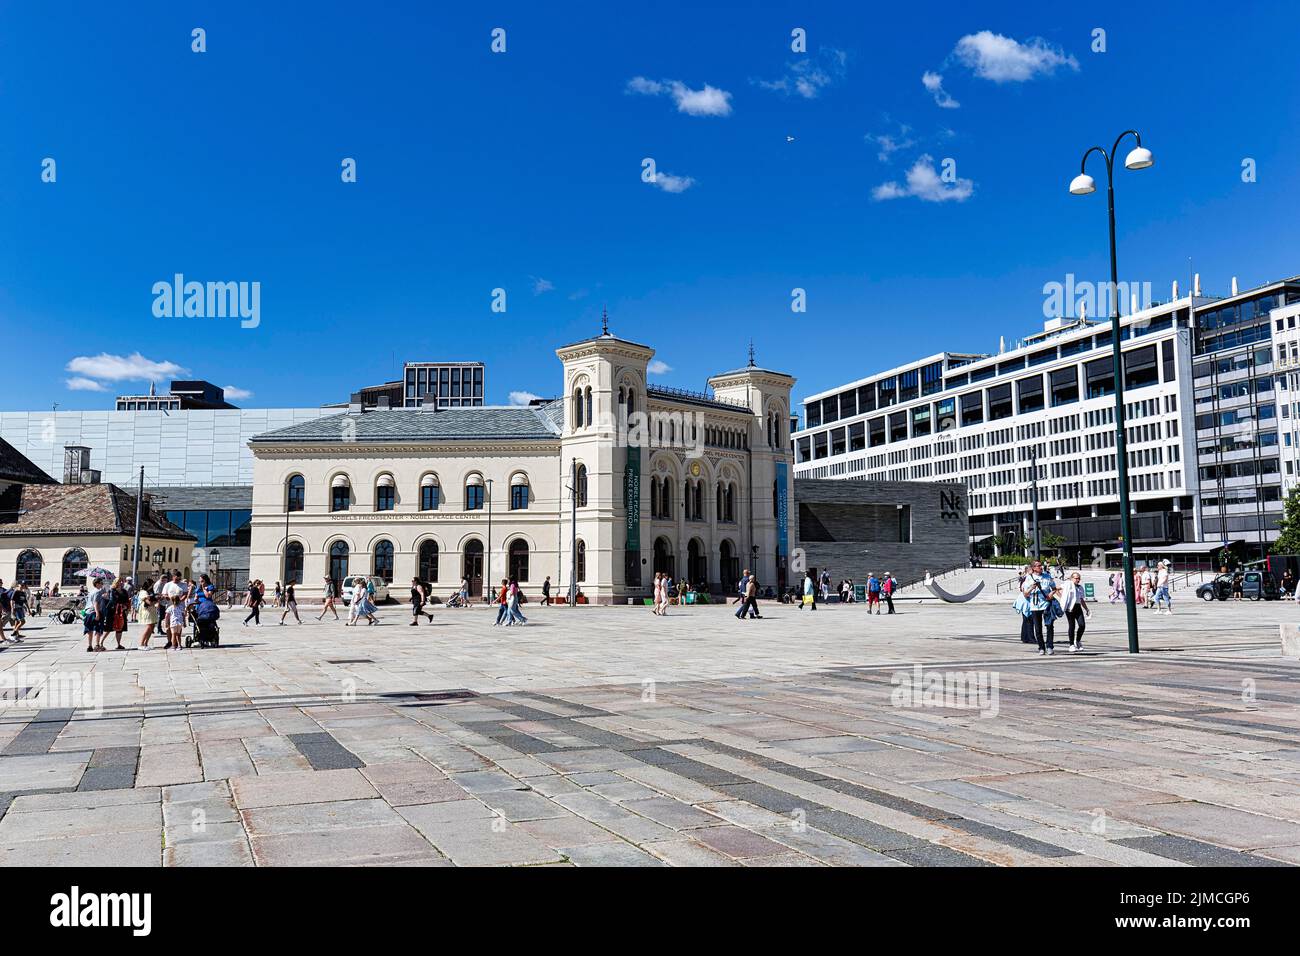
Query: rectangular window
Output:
(385,498)
(898,426)
(429,498)
(867,398)
(1140,367)
(908,383)
(945,412)
(820,445)
(932,378)
(1099,376)
(340,498)
(518,497)
(921,421)
(805,449)
(887,391)
(813,414)
(838,446)
(848,403)
(241,527)
(473,497)
(1000,402)
(830,409)
(1029,393)
(972,408)
(857,436)
(876,431)
(1065,385)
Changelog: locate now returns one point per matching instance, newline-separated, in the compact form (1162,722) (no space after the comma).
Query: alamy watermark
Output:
(208,300)
(21,688)
(960,690)
(684,431)
(1074,299)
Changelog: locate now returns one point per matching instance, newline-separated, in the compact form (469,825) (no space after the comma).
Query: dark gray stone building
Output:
(855,527)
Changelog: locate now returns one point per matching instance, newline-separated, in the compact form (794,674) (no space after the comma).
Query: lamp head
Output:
(1139,158)
(1082,184)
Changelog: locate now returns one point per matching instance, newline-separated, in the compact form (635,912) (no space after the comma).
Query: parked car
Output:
(1255,586)
(380,587)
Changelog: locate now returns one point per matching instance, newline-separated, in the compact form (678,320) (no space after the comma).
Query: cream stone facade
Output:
(618,477)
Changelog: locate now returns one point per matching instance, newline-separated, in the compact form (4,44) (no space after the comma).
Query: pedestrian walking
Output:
(253,602)
(329,600)
(290,599)
(464,592)
(1038,594)
(826,585)
(514,597)
(809,592)
(750,607)
(18,610)
(175,623)
(503,599)
(546,592)
(1076,611)
(1163,596)
(418,598)
(279,595)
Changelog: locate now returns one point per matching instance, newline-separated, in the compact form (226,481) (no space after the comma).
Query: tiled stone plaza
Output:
(602,735)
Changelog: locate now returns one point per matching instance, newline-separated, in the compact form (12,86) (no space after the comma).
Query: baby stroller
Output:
(206,631)
(455,601)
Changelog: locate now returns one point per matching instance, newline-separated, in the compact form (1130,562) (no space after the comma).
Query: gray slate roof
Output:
(486,423)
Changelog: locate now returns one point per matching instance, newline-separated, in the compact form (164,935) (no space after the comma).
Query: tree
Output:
(1051,541)
(1288,537)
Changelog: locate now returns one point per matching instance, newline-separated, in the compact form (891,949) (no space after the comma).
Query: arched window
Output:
(575,419)
(519,492)
(699,501)
(73,561)
(427,566)
(580,485)
(720,504)
(296,493)
(338,564)
(28,571)
(666,502)
(430,493)
(340,493)
(385,493)
(654,497)
(591,408)
(631,400)
(582,561)
(293,563)
(474,493)
(519,560)
(384,561)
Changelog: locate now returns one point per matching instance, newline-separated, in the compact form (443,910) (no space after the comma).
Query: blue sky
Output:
(522,170)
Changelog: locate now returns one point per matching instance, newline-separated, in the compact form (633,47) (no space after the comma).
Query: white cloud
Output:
(673,184)
(541,285)
(122,368)
(924,183)
(887,144)
(658,367)
(709,101)
(234,392)
(522,398)
(78,384)
(809,76)
(934,83)
(992,56)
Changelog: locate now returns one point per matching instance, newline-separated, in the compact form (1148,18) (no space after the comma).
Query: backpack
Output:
(6,599)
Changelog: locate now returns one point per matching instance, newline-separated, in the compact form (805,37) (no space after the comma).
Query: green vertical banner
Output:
(632,508)
(782,524)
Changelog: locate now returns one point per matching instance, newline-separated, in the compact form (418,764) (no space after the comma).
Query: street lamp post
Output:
(215,557)
(487,556)
(1138,158)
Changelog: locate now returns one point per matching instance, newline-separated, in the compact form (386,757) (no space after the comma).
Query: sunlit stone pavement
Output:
(608,736)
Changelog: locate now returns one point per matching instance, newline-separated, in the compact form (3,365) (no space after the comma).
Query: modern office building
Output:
(1200,412)
(446,384)
(183,395)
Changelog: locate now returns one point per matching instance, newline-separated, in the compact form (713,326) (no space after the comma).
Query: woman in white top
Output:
(1076,610)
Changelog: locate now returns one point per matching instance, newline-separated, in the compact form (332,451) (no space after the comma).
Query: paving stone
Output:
(482,841)
(129,848)
(354,846)
(324,752)
(609,854)
(314,817)
(311,786)
(165,764)
(688,853)
(1194,852)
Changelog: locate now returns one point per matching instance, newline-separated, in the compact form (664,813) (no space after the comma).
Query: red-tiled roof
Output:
(86,509)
